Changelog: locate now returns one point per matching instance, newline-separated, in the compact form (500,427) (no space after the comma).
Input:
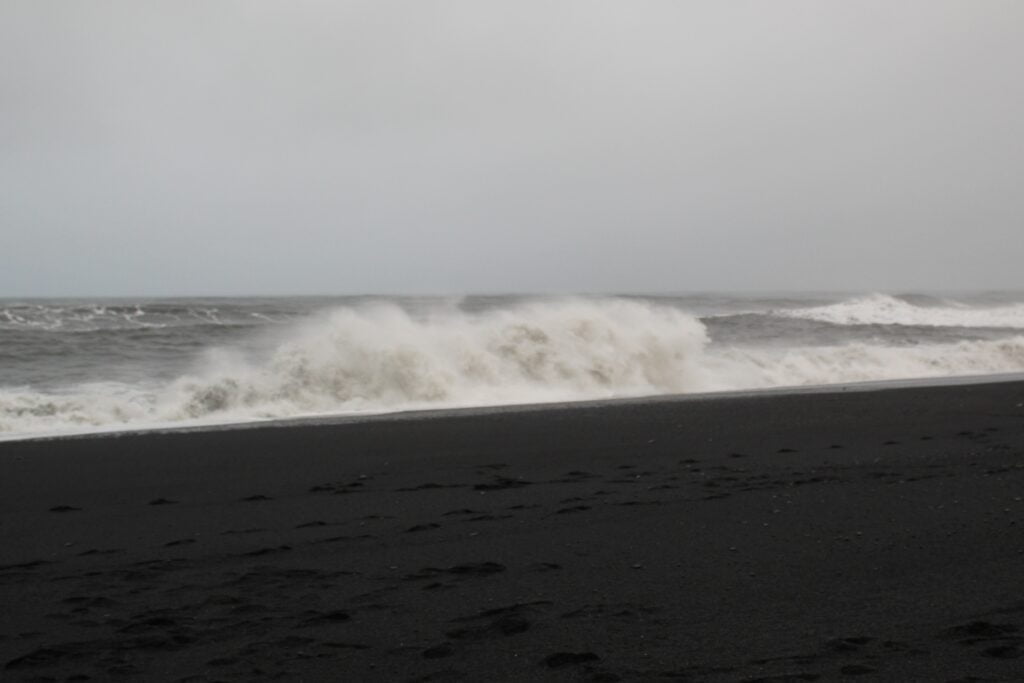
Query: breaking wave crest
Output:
(380,358)
(882,309)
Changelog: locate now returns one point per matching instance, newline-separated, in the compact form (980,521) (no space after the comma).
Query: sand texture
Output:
(800,537)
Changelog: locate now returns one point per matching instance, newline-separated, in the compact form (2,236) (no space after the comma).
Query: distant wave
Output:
(882,309)
(98,317)
(378,358)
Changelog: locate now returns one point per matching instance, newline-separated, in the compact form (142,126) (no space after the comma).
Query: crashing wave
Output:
(380,358)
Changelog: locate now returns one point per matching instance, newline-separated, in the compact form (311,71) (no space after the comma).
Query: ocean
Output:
(76,365)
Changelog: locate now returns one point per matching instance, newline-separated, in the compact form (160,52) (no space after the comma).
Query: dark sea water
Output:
(83,365)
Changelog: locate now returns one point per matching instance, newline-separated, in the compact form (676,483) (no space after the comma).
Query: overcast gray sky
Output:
(255,147)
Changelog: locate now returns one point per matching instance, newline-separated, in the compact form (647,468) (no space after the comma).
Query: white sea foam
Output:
(753,368)
(882,309)
(382,358)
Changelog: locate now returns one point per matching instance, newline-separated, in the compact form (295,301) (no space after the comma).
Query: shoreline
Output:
(805,535)
(428,412)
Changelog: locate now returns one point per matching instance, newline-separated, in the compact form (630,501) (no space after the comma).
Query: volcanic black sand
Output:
(780,537)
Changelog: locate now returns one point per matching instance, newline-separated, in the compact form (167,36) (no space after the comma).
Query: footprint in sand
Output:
(560,659)
(497,622)
(501,483)
(574,508)
(314,523)
(856,670)
(461,511)
(429,486)
(267,551)
(438,651)
(460,570)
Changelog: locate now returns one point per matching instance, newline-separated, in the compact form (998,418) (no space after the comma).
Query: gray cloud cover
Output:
(451,146)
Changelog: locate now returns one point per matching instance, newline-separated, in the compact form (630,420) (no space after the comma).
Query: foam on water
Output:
(751,368)
(78,316)
(882,309)
(381,357)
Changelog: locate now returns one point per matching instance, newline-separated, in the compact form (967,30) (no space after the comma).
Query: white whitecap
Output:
(882,309)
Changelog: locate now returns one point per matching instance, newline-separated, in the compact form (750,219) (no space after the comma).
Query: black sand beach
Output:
(778,537)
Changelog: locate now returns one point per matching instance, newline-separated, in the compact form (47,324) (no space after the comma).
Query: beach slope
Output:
(778,536)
